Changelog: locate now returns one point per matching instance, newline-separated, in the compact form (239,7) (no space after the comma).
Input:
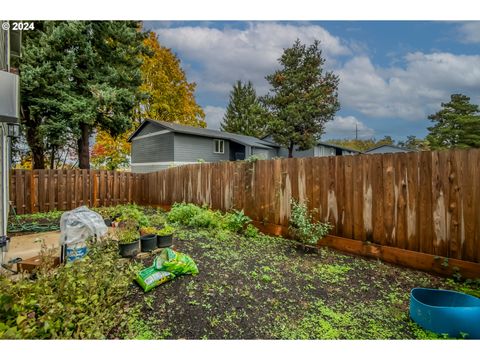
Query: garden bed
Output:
(250,286)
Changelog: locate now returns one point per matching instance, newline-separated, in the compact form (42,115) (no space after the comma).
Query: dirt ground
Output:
(265,288)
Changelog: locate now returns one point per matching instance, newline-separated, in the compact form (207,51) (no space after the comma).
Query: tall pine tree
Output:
(81,75)
(302,98)
(457,124)
(245,113)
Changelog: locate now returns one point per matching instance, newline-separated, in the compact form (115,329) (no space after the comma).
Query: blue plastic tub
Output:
(446,312)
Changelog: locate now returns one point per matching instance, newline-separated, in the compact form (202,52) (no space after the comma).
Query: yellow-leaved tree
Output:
(169,96)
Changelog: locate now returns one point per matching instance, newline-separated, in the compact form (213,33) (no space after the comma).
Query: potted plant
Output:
(148,239)
(165,236)
(128,241)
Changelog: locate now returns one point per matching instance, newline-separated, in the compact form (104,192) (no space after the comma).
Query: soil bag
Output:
(175,263)
(150,277)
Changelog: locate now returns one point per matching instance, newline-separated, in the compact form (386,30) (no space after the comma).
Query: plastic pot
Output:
(108,222)
(148,242)
(130,249)
(164,240)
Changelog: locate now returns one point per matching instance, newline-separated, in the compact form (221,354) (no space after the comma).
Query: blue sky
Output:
(393,74)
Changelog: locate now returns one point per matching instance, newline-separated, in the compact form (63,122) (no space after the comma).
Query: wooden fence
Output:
(425,202)
(34,191)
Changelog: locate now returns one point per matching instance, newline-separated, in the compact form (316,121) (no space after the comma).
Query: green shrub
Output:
(157,219)
(79,300)
(206,218)
(132,212)
(303,227)
(182,213)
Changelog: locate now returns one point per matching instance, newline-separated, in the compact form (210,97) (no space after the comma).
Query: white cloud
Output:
(470,32)
(228,55)
(213,116)
(410,92)
(344,127)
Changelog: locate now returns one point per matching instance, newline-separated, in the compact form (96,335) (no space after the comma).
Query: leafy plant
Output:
(127,235)
(236,221)
(251,232)
(167,230)
(157,219)
(132,212)
(182,213)
(148,230)
(80,300)
(206,218)
(303,227)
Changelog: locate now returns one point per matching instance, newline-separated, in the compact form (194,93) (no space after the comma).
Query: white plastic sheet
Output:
(78,225)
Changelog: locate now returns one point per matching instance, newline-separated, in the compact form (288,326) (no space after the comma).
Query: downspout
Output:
(4,152)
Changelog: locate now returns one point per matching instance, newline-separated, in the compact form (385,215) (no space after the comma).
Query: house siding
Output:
(283,152)
(157,148)
(191,148)
(264,153)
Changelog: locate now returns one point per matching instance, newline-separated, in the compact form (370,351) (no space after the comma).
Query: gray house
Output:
(158,145)
(320,149)
(386,149)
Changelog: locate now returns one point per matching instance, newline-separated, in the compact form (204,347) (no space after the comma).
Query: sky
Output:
(393,74)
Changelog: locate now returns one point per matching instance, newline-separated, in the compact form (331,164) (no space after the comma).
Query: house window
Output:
(218,146)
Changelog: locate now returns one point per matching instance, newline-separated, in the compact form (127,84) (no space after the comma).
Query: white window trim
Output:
(215,146)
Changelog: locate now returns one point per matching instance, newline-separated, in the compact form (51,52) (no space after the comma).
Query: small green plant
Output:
(126,235)
(251,232)
(167,230)
(303,227)
(148,230)
(254,158)
(236,221)
(132,213)
(157,220)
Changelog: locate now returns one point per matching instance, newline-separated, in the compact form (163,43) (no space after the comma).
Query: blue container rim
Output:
(449,291)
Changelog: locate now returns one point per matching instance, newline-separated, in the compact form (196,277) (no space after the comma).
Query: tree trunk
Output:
(35,142)
(290,150)
(52,157)
(84,147)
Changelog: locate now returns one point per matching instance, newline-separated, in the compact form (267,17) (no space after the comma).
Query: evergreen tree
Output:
(302,98)
(245,113)
(77,76)
(457,124)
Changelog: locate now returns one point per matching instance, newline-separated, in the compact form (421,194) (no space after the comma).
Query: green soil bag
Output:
(175,263)
(150,277)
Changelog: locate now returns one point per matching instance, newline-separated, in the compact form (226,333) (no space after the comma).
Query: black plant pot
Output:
(130,249)
(148,242)
(164,240)
(108,222)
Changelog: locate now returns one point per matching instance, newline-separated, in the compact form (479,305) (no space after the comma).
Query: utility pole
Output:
(356,130)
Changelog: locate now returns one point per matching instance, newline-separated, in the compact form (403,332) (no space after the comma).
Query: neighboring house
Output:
(158,145)
(385,149)
(320,149)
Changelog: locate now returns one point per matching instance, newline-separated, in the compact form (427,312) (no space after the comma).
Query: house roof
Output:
(388,145)
(217,134)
